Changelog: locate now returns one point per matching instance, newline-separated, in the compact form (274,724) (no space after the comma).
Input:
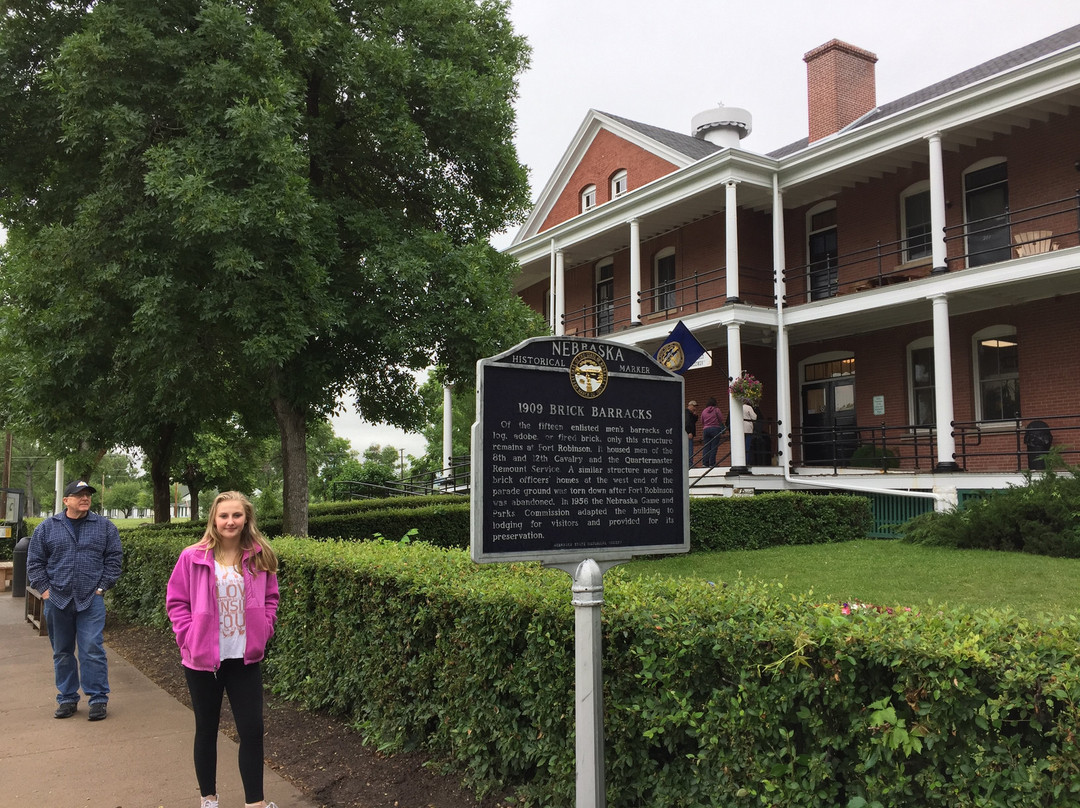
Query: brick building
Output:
(908,275)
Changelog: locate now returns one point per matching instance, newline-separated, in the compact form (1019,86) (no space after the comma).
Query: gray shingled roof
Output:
(1028,53)
(688,145)
(697,149)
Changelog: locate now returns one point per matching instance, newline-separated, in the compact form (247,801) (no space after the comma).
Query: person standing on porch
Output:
(691,428)
(712,427)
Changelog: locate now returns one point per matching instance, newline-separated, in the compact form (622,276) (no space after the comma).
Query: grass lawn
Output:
(894,573)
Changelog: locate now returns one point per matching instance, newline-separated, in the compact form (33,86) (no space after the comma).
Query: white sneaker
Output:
(209,802)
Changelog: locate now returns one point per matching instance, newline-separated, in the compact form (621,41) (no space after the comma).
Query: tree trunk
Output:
(160,459)
(193,493)
(292,424)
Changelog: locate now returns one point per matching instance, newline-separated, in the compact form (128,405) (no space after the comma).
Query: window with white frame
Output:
(915,221)
(664,280)
(588,198)
(618,183)
(997,373)
(986,212)
(921,401)
(822,251)
(605,297)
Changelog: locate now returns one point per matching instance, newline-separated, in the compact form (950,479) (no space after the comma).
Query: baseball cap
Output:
(76,486)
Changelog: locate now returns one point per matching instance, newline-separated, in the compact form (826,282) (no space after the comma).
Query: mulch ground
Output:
(322,756)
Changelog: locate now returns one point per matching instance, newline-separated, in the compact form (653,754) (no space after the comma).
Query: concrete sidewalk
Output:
(139,757)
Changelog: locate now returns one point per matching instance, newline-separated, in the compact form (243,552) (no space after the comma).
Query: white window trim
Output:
(916,345)
(1001,330)
(912,190)
(588,198)
(821,207)
(618,176)
(667,252)
(977,166)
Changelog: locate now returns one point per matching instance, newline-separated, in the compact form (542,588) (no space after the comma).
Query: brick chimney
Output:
(840,86)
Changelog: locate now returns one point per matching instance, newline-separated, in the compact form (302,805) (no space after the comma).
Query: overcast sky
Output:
(661,62)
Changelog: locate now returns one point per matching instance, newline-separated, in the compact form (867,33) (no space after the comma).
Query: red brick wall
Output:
(840,86)
(605,155)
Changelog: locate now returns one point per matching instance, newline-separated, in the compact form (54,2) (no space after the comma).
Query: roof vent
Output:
(722,126)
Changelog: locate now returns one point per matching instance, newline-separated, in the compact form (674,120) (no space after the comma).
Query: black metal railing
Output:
(1015,444)
(1016,233)
(454,479)
(882,447)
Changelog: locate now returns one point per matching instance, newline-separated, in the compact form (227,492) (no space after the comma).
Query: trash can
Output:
(18,571)
(1038,439)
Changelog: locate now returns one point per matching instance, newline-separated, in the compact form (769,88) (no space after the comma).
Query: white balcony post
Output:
(447,424)
(783,375)
(943,395)
(560,294)
(731,240)
(635,271)
(736,429)
(937,206)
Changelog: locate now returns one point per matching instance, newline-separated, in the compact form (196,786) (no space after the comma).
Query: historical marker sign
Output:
(579,451)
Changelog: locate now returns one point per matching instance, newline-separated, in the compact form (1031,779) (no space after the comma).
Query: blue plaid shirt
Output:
(73,567)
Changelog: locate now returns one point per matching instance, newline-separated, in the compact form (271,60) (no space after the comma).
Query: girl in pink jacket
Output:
(222,601)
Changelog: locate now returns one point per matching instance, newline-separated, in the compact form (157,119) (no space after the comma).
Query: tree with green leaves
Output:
(218,206)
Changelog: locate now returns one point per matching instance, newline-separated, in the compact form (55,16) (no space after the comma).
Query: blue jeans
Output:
(72,631)
(712,442)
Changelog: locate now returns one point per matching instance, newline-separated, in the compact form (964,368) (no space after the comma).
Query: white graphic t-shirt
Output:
(230,592)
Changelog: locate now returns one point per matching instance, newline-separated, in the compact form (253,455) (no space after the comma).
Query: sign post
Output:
(579,461)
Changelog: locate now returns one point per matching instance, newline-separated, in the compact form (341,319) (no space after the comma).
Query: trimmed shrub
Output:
(737,695)
(771,520)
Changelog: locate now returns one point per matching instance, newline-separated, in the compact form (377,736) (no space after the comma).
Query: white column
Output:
(943,397)
(447,424)
(736,430)
(560,294)
(783,373)
(937,205)
(635,271)
(58,504)
(731,240)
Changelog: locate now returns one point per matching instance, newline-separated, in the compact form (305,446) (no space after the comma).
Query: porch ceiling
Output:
(823,175)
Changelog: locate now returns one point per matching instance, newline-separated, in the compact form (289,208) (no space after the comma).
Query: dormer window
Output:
(618,183)
(588,198)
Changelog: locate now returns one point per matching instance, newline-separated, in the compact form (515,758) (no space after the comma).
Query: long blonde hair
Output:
(261,555)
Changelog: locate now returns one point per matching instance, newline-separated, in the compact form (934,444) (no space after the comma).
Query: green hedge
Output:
(771,520)
(731,695)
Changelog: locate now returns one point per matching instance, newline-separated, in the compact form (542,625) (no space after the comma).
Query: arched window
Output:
(915,221)
(618,183)
(821,251)
(605,296)
(588,198)
(996,356)
(664,279)
(921,399)
(986,212)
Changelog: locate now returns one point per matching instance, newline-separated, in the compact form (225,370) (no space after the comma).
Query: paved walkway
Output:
(139,757)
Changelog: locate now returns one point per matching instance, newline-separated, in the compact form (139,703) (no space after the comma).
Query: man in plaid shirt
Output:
(74,557)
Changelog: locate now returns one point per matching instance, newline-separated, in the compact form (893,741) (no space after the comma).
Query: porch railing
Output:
(1016,444)
(981,446)
(1016,233)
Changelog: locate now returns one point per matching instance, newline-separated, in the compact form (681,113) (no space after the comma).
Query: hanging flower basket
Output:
(746,389)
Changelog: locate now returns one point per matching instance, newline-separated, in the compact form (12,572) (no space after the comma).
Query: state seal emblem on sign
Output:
(671,356)
(588,374)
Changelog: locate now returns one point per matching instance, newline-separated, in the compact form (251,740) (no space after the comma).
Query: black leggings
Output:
(243,683)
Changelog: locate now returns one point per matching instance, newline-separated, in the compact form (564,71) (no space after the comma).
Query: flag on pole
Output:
(680,350)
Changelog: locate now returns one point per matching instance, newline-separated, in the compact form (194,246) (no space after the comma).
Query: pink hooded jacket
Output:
(192,605)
